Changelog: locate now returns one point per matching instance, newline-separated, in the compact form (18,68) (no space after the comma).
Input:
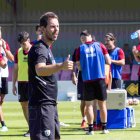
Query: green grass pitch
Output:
(69,113)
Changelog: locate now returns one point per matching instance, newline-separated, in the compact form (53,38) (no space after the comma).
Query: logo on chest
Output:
(90,52)
(25,59)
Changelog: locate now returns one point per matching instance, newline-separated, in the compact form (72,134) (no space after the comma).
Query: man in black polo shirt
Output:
(43,118)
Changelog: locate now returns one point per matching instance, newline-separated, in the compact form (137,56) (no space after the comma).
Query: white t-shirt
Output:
(4,72)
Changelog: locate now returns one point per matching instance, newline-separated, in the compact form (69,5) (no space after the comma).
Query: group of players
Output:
(37,85)
(89,89)
(90,59)
(20,73)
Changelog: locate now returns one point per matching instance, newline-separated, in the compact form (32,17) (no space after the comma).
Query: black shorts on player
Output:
(23,95)
(4,86)
(116,83)
(95,90)
(80,85)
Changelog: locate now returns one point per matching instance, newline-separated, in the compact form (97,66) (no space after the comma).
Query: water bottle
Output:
(134,35)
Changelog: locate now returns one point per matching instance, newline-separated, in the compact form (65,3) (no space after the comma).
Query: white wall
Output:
(64,87)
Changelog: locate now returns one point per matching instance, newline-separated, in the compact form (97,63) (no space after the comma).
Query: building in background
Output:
(120,17)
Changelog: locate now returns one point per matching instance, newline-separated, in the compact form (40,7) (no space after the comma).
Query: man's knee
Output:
(1,99)
(24,104)
(1,102)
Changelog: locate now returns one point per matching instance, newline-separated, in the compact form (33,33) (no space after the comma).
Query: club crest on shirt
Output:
(47,133)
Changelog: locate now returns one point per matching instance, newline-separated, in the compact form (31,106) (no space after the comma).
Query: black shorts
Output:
(4,86)
(43,123)
(95,90)
(23,95)
(80,85)
(116,83)
(80,89)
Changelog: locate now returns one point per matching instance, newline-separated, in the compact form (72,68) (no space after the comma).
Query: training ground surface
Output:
(69,113)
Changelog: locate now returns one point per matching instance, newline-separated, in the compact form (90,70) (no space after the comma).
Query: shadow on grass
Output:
(132,130)
(66,129)
(73,123)
(10,135)
(18,128)
(71,134)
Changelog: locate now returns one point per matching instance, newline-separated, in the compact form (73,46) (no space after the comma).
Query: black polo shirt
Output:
(42,89)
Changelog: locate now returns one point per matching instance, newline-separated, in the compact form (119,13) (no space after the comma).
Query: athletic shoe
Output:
(90,133)
(83,124)
(63,124)
(4,129)
(27,134)
(105,131)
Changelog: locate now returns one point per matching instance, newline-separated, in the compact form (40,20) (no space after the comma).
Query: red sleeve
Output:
(16,57)
(104,49)
(77,54)
(1,58)
(121,54)
(7,46)
(138,47)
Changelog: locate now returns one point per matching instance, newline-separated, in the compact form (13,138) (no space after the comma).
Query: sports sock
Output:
(104,126)
(3,123)
(85,118)
(90,127)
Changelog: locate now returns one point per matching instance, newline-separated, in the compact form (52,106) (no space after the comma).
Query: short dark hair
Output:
(36,27)
(22,36)
(44,18)
(85,33)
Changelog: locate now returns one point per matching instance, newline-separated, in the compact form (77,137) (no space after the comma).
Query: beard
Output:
(51,37)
